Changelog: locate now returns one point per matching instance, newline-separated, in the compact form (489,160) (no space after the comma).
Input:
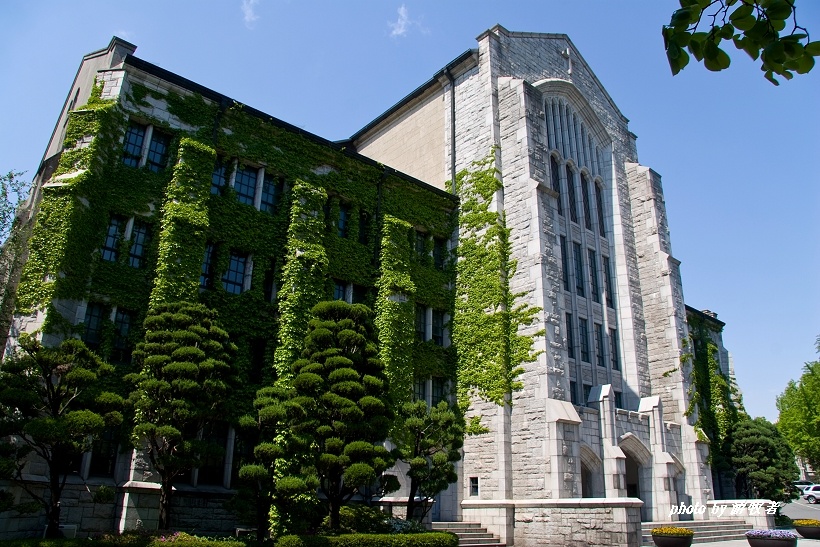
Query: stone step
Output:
(705,530)
(470,534)
(477,541)
(441,525)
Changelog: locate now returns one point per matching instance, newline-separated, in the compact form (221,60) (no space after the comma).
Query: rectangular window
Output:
(610,302)
(556,184)
(269,283)
(438,327)
(439,390)
(473,486)
(140,236)
(420,389)
(364,227)
(599,203)
(111,247)
(573,392)
(234,279)
(132,146)
(564,263)
(95,313)
(439,252)
(579,269)
(244,184)
(104,453)
(339,290)
(593,277)
(421,245)
(583,333)
(206,274)
(421,323)
(212,465)
(573,206)
(359,294)
(158,151)
(272,188)
(619,401)
(123,320)
(219,178)
(613,350)
(599,345)
(587,391)
(343,224)
(585,196)
(570,337)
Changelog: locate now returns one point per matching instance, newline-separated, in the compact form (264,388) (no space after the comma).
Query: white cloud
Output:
(400,27)
(248,12)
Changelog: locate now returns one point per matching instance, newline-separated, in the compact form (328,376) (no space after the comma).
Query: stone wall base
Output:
(570,522)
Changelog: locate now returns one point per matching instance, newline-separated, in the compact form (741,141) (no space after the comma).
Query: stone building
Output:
(599,437)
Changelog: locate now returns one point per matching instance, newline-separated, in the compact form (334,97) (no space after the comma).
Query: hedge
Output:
(434,539)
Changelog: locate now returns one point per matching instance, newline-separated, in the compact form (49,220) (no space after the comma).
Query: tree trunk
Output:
(411,500)
(165,504)
(53,510)
(263,506)
(335,523)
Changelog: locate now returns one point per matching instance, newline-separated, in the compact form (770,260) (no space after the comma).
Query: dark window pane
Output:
(599,345)
(245,184)
(587,391)
(438,327)
(556,184)
(583,333)
(158,151)
(132,146)
(234,278)
(339,290)
(95,313)
(364,227)
(212,463)
(110,249)
(564,263)
(343,223)
(206,275)
(573,206)
(420,389)
(421,323)
(140,236)
(599,203)
(219,178)
(272,188)
(122,349)
(439,390)
(421,244)
(269,284)
(359,294)
(570,337)
(613,350)
(104,453)
(593,276)
(573,392)
(439,252)
(587,208)
(619,401)
(579,269)
(608,281)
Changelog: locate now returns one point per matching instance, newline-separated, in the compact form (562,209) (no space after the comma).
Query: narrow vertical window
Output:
(94,315)
(608,283)
(573,205)
(585,197)
(579,269)
(272,188)
(339,290)
(104,453)
(439,390)
(219,177)
(593,277)
(343,223)
(439,252)
(583,333)
(421,323)
(122,329)
(599,345)
(613,349)
(206,274)
(140,236)
(420,389)
(438,327)
(234,279)
(587,391)
(244,184)
(421,244)
(132,146)
(570,337)
(619,401)
(364,227)
(564,263)
(599,204)
(158,151)
(573,392)
(269,283)
(359,294)
(473,486)
(111,247)
(556,184)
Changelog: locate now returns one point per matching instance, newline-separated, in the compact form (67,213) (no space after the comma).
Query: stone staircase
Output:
(471,534)
(705,530)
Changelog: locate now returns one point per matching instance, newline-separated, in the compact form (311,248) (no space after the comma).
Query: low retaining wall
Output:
(572,522)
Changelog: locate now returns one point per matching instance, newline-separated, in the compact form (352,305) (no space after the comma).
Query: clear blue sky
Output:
(738,156)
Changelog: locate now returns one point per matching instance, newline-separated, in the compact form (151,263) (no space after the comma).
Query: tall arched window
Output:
(573,205)
(556,183)
(587,208)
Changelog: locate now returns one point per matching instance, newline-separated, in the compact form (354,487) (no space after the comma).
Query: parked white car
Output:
(811,493)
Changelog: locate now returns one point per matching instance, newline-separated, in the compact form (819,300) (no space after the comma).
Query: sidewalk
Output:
(744,543)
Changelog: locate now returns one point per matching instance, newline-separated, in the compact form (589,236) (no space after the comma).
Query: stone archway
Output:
(638,472)
(592,484)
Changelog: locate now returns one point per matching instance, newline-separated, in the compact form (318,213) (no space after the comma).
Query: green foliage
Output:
(358,519)
(52,402)
(487,318)
(799,418)
(13,190)
(433,539)
(763,461)
(753,26)
(183,380)
(428,440)
(344,415)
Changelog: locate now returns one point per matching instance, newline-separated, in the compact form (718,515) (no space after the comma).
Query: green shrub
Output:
(672,531)
(432,539)
(806,522)
(359,519)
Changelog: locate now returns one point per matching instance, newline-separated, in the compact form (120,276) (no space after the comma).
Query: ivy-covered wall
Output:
(297,244)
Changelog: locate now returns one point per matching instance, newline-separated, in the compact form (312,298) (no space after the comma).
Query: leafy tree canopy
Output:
(799,418)
(765,29)
(763,461)
(52,405)
(182,385)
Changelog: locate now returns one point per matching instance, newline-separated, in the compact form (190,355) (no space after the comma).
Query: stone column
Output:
(614,458)
(663,464)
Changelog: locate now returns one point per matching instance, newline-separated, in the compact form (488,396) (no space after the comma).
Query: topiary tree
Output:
(342,389)
(428,440)
(183,381)
(52,406)
(764,462)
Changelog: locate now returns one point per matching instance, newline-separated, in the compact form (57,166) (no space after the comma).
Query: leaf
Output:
(744,23)
(727,31)
(775,52)
(779,9)
(768,75)
(813,48)
(683,17)
(804,64)
(742,12)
